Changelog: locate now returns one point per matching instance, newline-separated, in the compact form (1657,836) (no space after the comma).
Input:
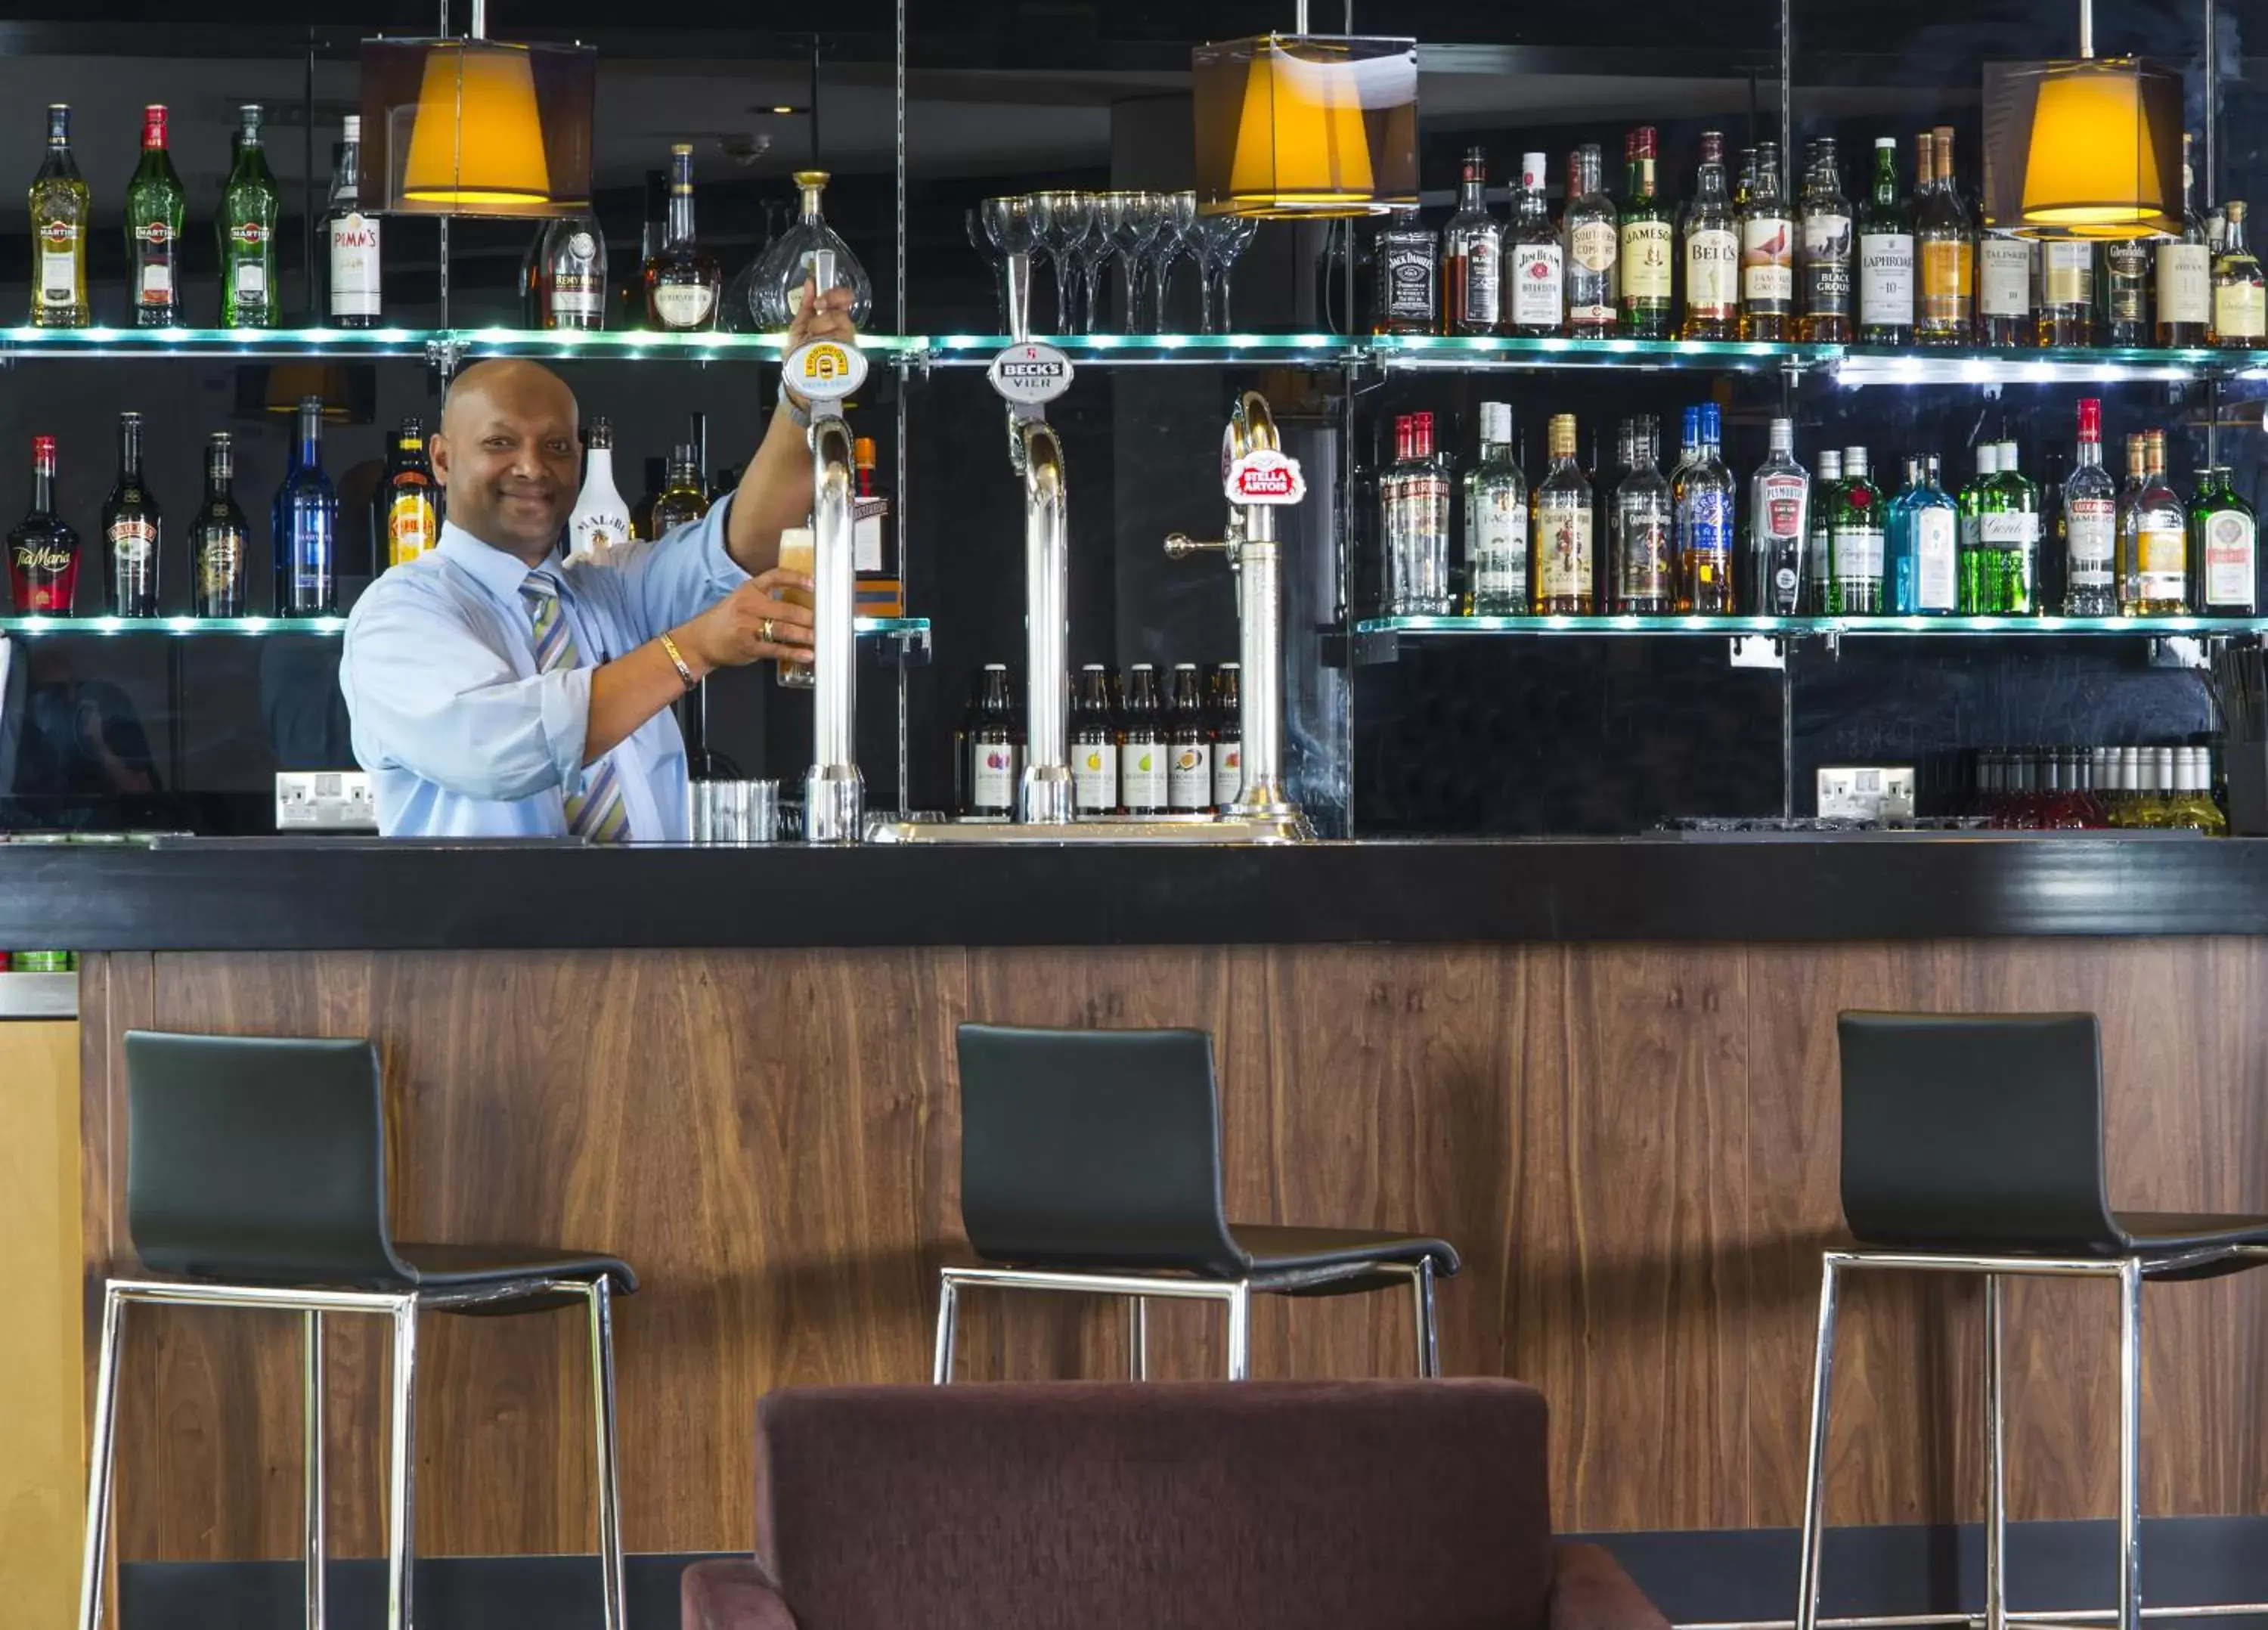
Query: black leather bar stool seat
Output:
(1974,1145)
(256,1174)
(1090,1162)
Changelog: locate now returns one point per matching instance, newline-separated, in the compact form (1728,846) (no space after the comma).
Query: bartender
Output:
(498,691)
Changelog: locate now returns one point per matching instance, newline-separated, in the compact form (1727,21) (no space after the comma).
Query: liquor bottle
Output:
(740,314)
(249,207)
(1818,556)
(61,207)
(220,541)
(2004,291)
(408,499)
(2125,285)
(682,500)
(683,283)
(1227,735)
(2157,585)
(1767,255)
(132,530)
(1142,746)
(155,208)
(1642,541)
(1885,259)
(42,551)
(2010,528)
(1559,573)
(1854,541)
(880,591)
(1472,256)
(1188,745)
(2192,808)
(1779,525)
(1416,496)
(572,274)
(1703,496)
(809,251)
(1539,267)
(304,525)
(1978,594)
(995,764)
(530,280)
(1946,251)
(1648,254)
(1093,744)
(1712,243)
(632,292)
(1496,520)
(1409,279)
(2224,548)
(1921,549)
(2066,313)
(1827,244)
(2089,523)
(356,301)
(2123,569)
(1592,236)
(600,519)
(2240,302)
(2185,272)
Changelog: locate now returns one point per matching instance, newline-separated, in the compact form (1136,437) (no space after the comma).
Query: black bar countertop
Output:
(288,893)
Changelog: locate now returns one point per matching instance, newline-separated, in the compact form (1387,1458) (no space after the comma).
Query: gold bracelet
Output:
(683,672)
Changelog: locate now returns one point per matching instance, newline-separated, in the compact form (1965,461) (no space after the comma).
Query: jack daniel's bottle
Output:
(1409,278)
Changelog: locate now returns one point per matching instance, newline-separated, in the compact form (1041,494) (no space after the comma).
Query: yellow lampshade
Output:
(2092,162)
(1301,145)
(477,138)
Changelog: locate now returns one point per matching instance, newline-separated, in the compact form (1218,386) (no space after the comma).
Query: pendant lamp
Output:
(475,126)
(1305,126)
(2090,147)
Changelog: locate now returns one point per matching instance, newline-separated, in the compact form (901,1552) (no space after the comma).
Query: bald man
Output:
(497,690)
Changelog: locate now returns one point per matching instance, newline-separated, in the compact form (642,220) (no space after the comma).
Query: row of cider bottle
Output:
(1136,749)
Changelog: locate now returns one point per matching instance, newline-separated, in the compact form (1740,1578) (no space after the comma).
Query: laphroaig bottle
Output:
(155,207)
(1818,558)
(2089,523)
(220,548)
(1854,541)
(1886,261)
(1560,574)
(1702,494)
(1188,743)
(1779,527)
(408,500)
(1142,784)
(600,519)
(995,761)
(1093,744)
(1642,548)
(2224,548)
(132,530)
(1228,734)
(306,526)
(1496,520)
(356,301)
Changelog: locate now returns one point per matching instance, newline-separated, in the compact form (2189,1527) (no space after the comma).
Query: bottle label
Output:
(133,542)
(220,566)
(1643,531)
(354,266)
(1712,259)
(1779,508)
(1704,524)
(2008,528)
(2004,277)
(2230,576)
(1826,265)
(1189,777)
(2091,531)
(251,280)
(58,276)
(1228,769)
(1646,261)
(1858,551)
(2240,311)
(1142,772)
(2127,265)
(2162,562)
(2067,274)
(1482,271)
(577,294)
(992,777)
(1935,579)
(157,286)
(1948,274)
(153,282)
(866,544)
(2184,283)
(1768,262)
(1591,274)
(1409,282)
(1886,280)
(1094,776)
(593,531)
(409,527)
(683,305)
(1498,528)
(1537,283)
(1782,540)
(1562,546)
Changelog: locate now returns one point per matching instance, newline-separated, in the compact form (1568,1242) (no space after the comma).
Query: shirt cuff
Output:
(565,719)
(723,572)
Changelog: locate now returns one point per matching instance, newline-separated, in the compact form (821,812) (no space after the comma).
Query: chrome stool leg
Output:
(1239,1331)
(601,1296)
(95,1563)
(1421,1290)
(401,1541)
(312,1487)
(948,1298)
(1137,1339)
(1814,1475)
(2129,1445)
(1996,1463)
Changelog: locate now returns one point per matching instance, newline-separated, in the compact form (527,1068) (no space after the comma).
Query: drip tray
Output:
(1289,829)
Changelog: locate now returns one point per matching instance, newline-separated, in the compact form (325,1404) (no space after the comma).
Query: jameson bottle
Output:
(155,205)
(248,209)
(61,208)
(1885,259)
(1827,249)
(219,543)
(1591,239)
(1779,528)
(1093,744)
(2224,548)
(1649,246)
(1711,242)
(132,530)
(2089,523)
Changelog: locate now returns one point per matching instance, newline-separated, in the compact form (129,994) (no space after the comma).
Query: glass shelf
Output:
(914,630)
(1854,626)
(1505,350)
(607,345)
(1152,350)
(1958,364)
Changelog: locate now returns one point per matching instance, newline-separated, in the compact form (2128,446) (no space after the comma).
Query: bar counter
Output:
(1605,1070)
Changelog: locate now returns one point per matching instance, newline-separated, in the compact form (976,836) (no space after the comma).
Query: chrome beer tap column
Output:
(1045,794)
(834,791)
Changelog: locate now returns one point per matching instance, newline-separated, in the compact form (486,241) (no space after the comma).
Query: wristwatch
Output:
(798,416)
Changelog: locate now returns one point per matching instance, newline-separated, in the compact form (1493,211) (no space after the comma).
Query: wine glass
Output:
(1176,238)
(1061,221)
(1132,219)
(980,240)
(1008,224)
(1220,240)
(1094,250)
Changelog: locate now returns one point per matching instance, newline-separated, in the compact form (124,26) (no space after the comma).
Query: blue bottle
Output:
(304,525)
(1921,547)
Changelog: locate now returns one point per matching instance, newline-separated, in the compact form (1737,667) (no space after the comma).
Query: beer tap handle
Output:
(1180,545)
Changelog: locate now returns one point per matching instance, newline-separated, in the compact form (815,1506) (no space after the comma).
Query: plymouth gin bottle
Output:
(2089,523)
(1642,549)
(249,207)
(305,522)
(61,208)
(1496,520)
(1472,256)
(1779,527)
(155,203)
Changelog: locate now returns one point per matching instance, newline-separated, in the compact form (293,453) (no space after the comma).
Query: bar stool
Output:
(1090,1162)
(257,1170)
(1974,1145)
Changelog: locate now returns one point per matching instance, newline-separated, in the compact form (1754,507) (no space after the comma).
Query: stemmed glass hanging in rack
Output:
(1176,239)
(1061,222)
(1008,223)
(1220,240)
(981,240)
(1132,219)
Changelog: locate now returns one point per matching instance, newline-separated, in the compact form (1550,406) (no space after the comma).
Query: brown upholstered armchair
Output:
(1375,1505)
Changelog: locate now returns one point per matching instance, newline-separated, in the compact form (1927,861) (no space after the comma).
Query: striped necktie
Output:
(597,812)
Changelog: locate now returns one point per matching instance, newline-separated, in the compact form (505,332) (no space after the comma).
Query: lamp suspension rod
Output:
(2085,26)
(1299,17)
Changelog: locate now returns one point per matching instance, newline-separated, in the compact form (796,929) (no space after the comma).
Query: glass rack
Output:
(469,344)
(911,631)
(1851,626)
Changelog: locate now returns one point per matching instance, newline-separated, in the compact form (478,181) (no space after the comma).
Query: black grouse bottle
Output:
(218,546)
(1093,744)
(1189,744)
(130,530)
(1142,746)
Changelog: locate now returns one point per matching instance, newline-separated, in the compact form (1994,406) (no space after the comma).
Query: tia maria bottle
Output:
(42,551)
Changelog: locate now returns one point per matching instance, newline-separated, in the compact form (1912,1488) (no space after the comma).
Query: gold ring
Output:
(765,632)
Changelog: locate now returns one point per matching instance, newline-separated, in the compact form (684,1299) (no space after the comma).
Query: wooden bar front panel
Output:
(1634,1147)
